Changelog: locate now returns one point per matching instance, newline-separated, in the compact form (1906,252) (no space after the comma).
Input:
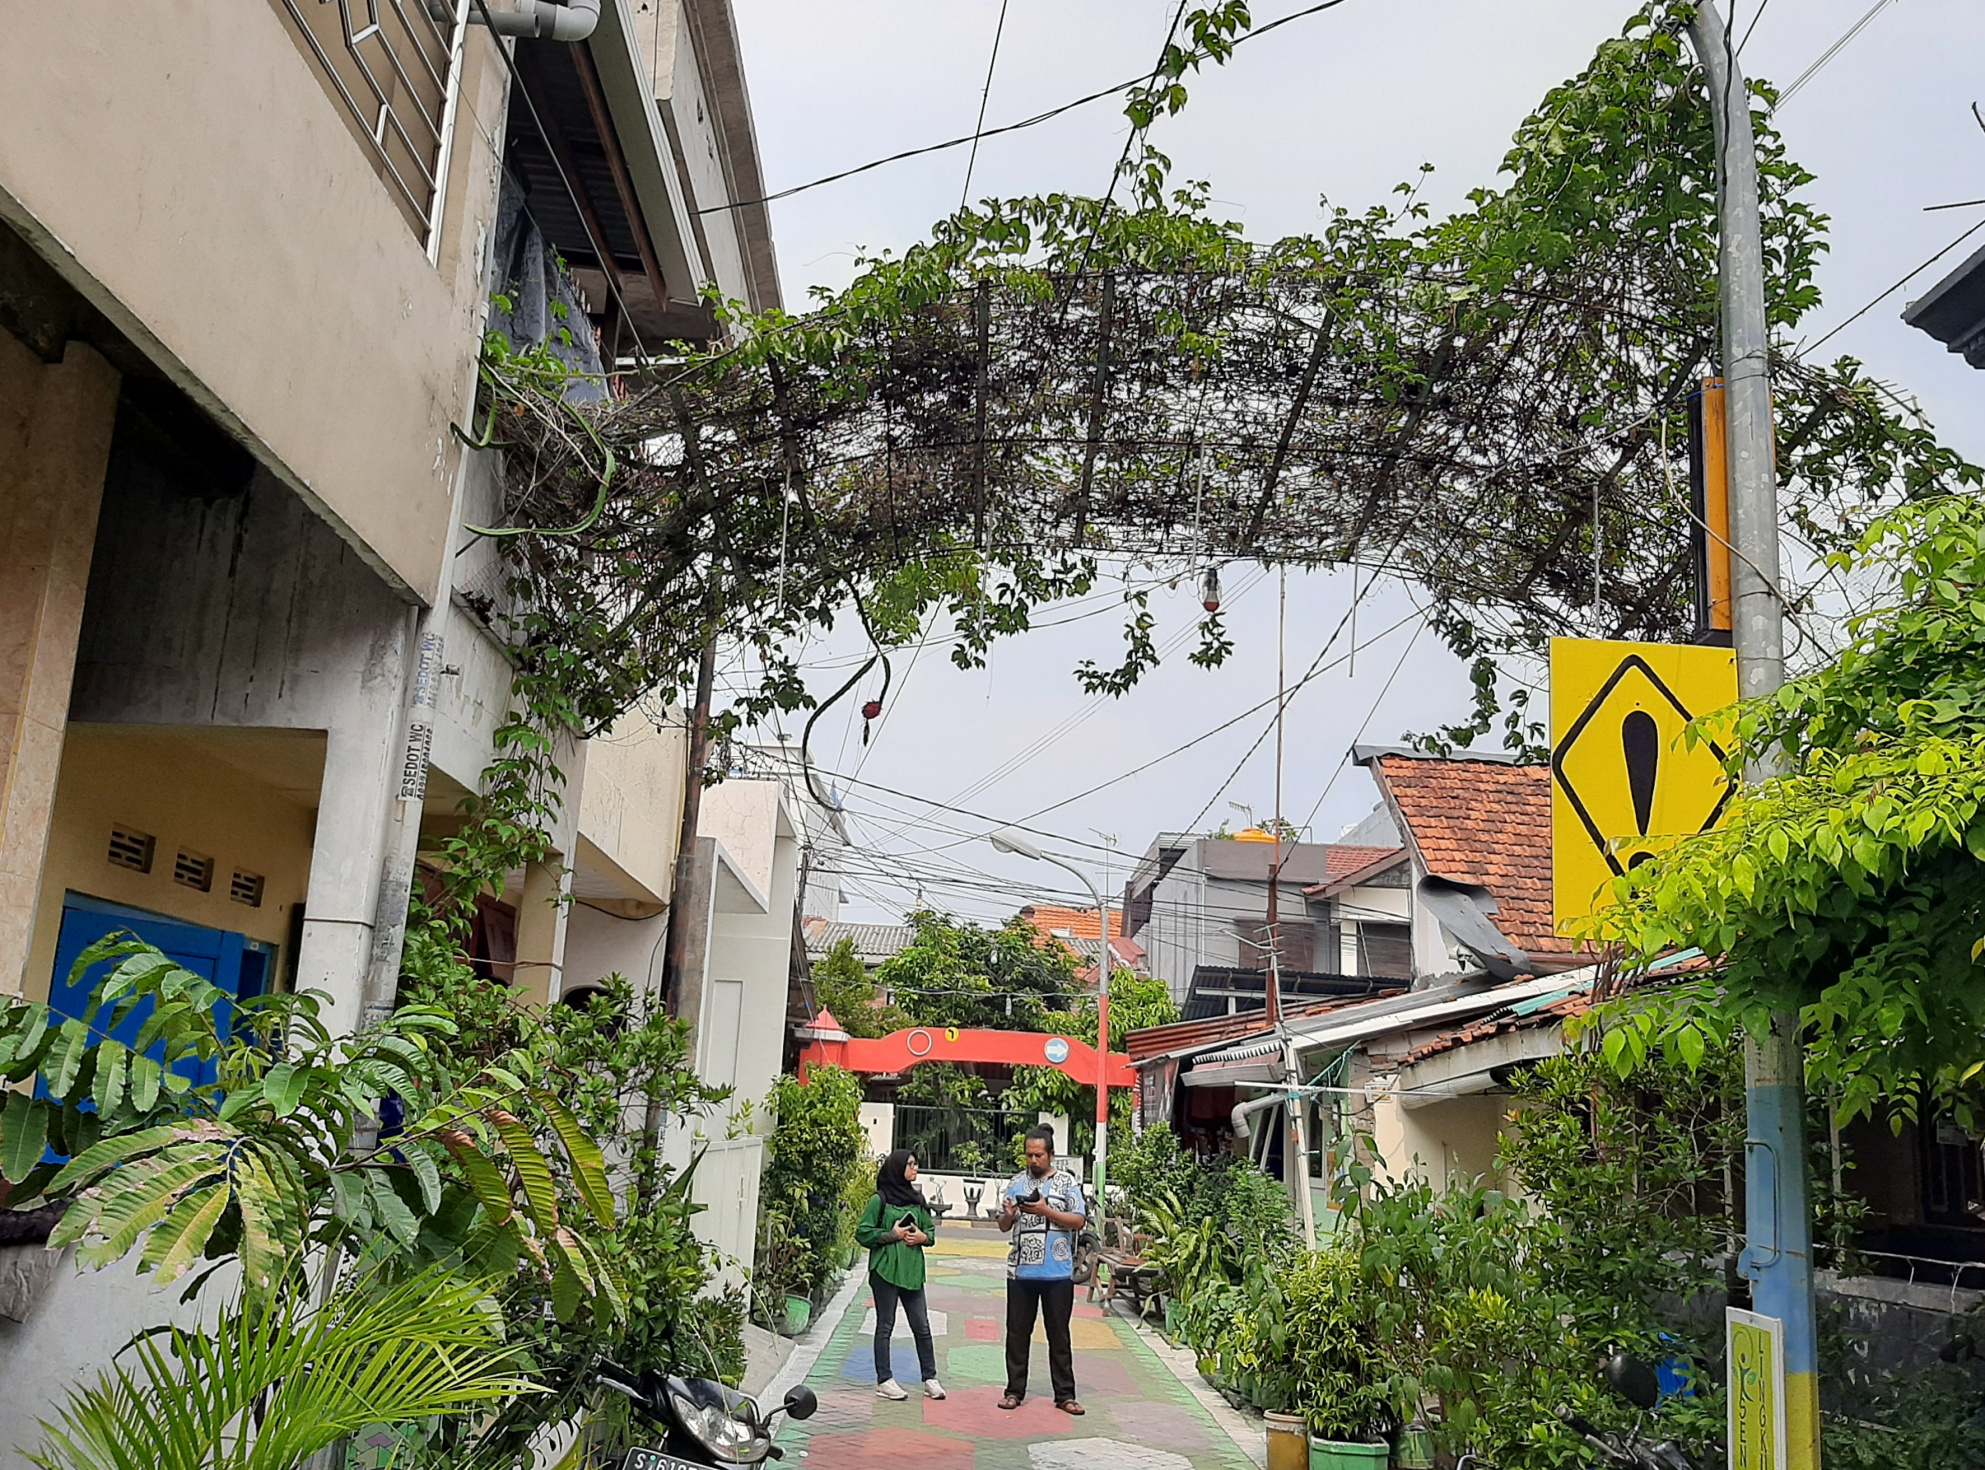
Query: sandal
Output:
(1070,1406)
(1011,1401)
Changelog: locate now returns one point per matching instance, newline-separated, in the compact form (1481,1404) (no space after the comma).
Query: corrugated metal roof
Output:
(873,943)
(1364,1020)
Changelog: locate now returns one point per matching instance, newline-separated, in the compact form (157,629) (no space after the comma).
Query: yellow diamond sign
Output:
(1622,777)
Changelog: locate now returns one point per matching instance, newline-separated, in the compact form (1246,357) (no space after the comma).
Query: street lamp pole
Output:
(1007,840)
(1777,1213)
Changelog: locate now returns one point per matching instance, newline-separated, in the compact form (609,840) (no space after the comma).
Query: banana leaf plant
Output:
(283,1154)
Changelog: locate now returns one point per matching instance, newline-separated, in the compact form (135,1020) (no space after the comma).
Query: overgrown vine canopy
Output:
(1053,389)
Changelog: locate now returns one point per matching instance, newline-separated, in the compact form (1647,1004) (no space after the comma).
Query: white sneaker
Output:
(933,1389)
(889,1388)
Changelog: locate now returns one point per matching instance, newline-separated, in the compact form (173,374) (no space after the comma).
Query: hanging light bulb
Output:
(1209,589)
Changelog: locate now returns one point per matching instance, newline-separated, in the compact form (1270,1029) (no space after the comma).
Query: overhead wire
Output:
(984,132)
(1832,51)
(985,95)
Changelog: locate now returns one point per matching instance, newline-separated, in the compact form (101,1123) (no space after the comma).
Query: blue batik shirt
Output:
(1041,1251)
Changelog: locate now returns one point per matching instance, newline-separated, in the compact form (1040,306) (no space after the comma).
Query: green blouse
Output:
(901,1265)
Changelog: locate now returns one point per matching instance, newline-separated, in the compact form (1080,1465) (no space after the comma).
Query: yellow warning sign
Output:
(1622,777)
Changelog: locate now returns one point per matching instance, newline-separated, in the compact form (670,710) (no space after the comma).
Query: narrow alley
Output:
(1141,1417)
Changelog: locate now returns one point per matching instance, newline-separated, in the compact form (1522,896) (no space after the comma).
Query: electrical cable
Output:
(979,127)
(1835,331)
(1832,51)
(1370,714)
(1029,122)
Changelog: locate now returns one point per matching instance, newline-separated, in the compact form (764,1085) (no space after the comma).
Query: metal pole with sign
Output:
(1778,1218)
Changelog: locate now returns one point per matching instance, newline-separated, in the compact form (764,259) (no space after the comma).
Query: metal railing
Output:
(962,1140)
(395,66)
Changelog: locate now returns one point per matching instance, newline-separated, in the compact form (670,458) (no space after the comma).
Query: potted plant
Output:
(1344,1389)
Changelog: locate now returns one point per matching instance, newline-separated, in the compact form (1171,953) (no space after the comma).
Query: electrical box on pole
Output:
(1709,512)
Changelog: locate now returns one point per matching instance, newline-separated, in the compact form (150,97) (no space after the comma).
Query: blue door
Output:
(238,965)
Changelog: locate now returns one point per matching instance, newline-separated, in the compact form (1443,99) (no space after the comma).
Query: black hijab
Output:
(893,1187)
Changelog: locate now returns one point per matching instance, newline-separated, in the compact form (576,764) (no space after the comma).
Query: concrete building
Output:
(246,261)
(1199,908)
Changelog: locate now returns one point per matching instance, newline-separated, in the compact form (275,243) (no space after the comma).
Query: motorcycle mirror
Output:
(800,1402)
(1633,1380)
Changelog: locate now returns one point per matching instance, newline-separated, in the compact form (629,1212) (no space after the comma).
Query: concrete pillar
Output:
(542,913)
(354,814)
(55,426)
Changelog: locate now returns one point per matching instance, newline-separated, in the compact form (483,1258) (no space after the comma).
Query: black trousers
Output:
(1056,1302)
(887,1295)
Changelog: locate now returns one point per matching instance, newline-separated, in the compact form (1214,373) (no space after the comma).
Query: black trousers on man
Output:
(1056,1303)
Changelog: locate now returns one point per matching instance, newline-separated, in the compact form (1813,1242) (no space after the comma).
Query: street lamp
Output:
(1008,840)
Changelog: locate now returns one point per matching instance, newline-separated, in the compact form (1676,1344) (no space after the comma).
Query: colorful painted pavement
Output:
(1140,1416)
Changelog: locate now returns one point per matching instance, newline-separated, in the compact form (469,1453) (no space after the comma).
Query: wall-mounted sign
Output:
(1623,779)
(1757,1390)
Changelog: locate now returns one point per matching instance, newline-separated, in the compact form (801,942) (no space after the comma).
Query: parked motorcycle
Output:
(1636,1382)
(706,1424)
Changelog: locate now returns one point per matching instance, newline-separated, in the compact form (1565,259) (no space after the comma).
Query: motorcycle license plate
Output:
(639,1459)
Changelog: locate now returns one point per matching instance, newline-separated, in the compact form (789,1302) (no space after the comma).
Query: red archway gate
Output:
(901,1050)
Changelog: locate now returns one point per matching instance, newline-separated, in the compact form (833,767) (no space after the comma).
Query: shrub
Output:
(816,1151)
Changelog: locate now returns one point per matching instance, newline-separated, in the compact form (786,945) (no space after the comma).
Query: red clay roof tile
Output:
(1487,823)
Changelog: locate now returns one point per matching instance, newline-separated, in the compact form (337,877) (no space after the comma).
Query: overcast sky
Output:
(1341,105)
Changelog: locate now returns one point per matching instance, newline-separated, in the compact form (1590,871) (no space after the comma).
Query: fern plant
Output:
(284,1151)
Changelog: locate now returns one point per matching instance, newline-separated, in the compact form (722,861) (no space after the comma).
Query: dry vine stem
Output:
(1479,404)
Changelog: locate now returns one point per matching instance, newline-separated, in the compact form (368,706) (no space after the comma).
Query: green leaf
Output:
(284,1087)
(267,1216)
(175,1244)
(483,1176)
(114,1150)
(533,1172)
(589,1172)
(391,1209)
(23,1135)
(71,1047)
(427,1174)
(111,1060)
(144,1082)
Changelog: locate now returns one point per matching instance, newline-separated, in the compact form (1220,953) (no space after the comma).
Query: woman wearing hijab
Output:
(896,1226)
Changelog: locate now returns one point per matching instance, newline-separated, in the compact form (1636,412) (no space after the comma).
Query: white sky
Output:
(1343,104)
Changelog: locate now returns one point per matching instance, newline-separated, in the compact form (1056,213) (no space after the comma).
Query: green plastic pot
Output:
(1344,1454)
(1416,1449)
(799,1312)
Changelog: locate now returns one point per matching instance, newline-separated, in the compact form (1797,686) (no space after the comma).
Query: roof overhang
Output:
(1479,1066)
(1954,311)
(587,116)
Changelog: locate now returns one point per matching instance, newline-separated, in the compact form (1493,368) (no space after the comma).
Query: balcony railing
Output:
(392,67)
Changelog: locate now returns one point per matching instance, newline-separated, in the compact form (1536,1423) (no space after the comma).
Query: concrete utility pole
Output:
(1778,1256)
(1009,841)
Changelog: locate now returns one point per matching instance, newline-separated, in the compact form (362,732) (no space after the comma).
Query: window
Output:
(390,66)
(1298,944)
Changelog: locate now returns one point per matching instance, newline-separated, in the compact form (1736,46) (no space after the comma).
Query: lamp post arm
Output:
(1105,962)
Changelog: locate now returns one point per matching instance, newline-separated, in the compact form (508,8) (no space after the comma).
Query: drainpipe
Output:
(541,20)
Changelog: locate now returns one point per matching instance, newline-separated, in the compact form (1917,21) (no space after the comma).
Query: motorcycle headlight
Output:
(722,1433)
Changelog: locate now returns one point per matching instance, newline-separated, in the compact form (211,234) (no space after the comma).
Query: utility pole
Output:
(1778,1256)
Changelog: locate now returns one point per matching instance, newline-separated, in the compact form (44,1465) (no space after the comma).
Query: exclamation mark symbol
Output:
(1640,741)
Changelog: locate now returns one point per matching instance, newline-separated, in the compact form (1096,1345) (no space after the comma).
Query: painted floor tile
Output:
(1140,1417)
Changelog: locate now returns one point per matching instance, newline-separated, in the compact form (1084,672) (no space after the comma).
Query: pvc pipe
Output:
(541,20)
